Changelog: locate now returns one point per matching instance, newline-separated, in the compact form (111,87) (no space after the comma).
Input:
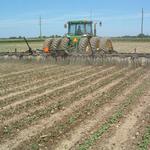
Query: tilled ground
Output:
(50,107)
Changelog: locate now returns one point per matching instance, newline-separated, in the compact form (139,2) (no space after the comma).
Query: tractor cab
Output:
(77,30)
(80,28)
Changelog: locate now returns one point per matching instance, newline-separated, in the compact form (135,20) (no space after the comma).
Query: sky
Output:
(119,17)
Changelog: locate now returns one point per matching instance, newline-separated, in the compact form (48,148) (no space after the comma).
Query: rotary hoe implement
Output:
(80,42)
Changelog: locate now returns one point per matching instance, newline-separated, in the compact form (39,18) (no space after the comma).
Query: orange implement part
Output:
(75,40)
(46,50)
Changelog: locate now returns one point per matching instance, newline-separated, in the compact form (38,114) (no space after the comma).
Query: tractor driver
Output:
(79,32)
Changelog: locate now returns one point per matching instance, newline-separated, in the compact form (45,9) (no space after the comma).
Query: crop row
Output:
(71,120)
(26,77)
(23,72)
(38,90)
(58,105)
(57,97)
(89,104)
(53,74)
(53,95)
(7,67)
(124,106)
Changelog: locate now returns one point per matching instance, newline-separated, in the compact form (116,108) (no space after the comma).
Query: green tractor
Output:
(80,39)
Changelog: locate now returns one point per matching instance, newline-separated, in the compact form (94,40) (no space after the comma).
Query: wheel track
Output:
(86,127)
(44,124)
(41,90)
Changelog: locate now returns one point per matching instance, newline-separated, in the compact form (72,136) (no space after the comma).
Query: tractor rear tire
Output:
(55,44)
(47,45)
(85,47)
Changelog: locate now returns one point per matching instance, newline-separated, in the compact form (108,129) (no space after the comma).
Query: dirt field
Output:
(123,46)
(56,107)
(120,46)
(19,46)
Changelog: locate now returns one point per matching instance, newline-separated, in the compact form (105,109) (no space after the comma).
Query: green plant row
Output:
(45,98)
(51,80)
(131,98)
(21,78)
(63,127)
(57,105)
(40,78)
(48,85)
(27,82)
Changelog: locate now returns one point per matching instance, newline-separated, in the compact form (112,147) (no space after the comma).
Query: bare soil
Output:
(62,106)
(123,46)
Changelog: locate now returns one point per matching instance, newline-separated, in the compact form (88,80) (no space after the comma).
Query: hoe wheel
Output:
(47,45)
(85,47)
(95,43)
(55,44)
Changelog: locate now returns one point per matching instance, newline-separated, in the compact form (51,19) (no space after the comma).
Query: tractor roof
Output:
(79,21)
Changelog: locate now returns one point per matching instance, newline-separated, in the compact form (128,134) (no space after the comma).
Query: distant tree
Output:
(141,35)
(20,37)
